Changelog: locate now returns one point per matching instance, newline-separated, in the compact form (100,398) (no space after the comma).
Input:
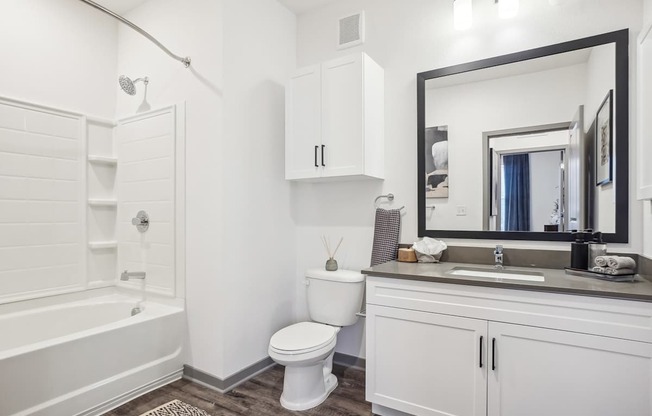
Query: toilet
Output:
(306,349)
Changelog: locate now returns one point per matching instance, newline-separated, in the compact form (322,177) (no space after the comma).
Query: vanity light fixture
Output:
(507,8)
(462,14)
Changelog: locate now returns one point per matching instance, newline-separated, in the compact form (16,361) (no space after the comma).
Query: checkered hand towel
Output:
(386,233)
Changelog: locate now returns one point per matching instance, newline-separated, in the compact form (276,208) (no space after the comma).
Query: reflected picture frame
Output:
(603,144)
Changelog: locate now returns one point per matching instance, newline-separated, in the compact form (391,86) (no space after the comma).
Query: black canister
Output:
(580,252)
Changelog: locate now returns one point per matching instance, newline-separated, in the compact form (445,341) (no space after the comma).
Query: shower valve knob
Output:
(141,221)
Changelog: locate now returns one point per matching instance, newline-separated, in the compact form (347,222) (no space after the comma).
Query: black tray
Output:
(596,275)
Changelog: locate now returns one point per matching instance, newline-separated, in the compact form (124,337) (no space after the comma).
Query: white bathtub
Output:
(84,354)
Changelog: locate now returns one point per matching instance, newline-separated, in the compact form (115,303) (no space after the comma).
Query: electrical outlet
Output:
(461,210)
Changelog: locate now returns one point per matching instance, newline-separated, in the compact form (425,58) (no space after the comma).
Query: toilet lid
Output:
(303,336)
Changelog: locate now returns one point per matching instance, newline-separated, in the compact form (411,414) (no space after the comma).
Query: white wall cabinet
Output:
(430,353)
(335,120)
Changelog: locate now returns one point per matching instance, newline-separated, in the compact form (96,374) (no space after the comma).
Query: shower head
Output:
(129,86)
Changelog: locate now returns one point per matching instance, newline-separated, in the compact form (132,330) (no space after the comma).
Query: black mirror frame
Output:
(621,164)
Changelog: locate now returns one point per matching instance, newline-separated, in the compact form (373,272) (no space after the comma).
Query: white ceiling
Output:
(302,6)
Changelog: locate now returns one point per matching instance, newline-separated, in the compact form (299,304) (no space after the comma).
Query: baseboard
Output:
(227,384)
(124,398)
(349,361)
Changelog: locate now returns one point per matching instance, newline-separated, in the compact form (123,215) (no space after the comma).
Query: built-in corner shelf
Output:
(103,160)
(99,203)
(99,245)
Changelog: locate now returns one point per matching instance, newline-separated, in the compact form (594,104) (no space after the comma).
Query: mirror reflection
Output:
(525,146)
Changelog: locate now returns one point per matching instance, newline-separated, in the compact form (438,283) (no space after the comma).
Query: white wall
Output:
(405,41)
(257,279)
(189,28)
(647,205)
(59,53)
(240,238)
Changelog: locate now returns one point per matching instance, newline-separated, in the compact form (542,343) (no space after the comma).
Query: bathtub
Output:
(83,354)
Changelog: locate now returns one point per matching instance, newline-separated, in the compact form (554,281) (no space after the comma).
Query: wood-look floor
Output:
(258,396)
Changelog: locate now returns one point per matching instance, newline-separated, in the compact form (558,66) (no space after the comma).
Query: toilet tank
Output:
(334,298)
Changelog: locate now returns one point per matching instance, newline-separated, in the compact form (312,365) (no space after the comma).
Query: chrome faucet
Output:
(126,275)
(498,257)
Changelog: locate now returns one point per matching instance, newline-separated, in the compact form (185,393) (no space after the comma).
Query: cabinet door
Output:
(425,363)
(342,117)
(303,125)
(542,372)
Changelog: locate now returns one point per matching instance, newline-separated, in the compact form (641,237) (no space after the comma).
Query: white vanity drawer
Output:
(584,314)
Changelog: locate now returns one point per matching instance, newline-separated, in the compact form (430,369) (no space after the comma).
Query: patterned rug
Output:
(176,408)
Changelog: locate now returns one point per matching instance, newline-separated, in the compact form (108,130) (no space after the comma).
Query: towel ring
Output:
(390,197)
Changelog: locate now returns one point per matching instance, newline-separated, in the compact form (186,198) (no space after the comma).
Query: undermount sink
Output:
(497,274)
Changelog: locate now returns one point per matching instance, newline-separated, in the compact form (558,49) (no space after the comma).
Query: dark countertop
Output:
(556,281)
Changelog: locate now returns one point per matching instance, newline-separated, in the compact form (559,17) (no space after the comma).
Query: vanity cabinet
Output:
(335,120)
(433,350)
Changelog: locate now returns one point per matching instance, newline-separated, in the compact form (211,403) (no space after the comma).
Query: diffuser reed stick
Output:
(337,248)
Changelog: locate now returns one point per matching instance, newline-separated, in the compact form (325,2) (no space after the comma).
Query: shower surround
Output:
(69,186)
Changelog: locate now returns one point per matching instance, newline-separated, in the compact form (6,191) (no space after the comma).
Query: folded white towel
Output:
(617,272)
(598,269)
(601,261)
(617,262)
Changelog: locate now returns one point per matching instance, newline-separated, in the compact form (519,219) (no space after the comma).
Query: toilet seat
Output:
(303,338)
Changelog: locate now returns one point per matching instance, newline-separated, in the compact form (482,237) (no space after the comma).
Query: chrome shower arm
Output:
(185,61)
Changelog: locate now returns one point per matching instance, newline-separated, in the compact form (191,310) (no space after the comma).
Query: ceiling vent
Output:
(351,31)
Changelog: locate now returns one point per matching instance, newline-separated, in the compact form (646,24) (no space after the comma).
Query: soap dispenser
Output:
(580,251)
(596,248)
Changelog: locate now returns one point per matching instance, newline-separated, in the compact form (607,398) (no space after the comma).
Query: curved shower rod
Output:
(185,61)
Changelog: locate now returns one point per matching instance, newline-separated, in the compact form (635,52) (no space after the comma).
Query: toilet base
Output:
(330,384)
(308,387)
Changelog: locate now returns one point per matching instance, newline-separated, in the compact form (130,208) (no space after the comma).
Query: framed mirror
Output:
(527,146)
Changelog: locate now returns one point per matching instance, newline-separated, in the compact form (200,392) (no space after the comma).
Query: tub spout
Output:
(126,275)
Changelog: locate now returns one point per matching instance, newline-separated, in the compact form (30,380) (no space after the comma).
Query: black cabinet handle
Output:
(316,165)
(322,155)
(480,351)
(493,353)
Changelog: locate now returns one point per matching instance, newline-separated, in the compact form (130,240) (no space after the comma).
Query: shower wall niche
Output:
(102,165)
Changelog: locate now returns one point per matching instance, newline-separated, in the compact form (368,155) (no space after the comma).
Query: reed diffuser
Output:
(331,263)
